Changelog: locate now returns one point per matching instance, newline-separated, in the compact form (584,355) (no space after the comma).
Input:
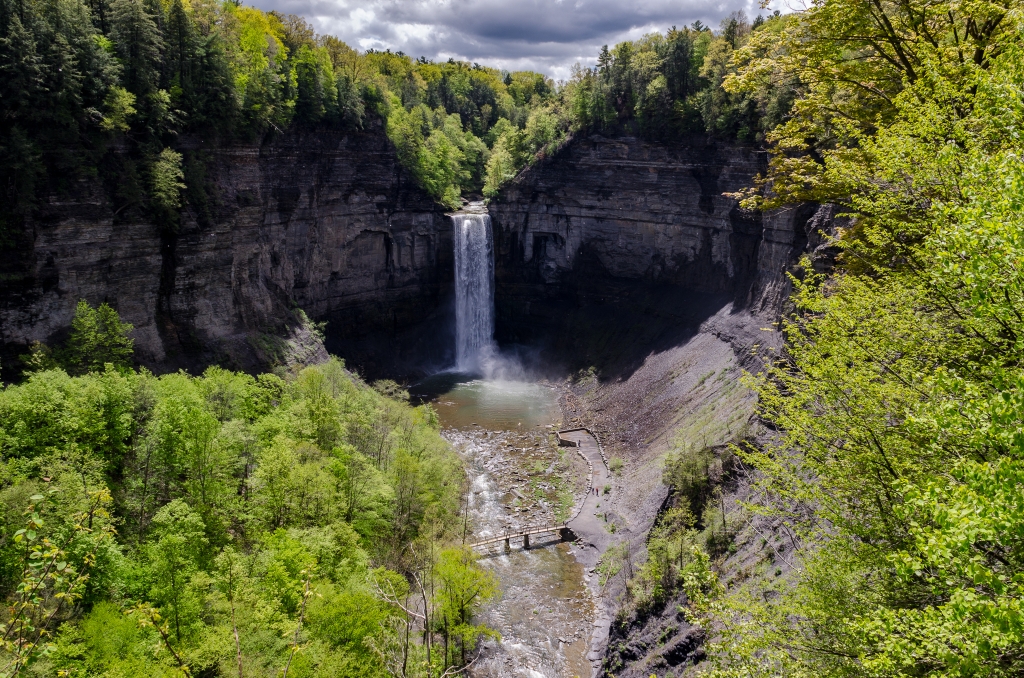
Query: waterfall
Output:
(474,290)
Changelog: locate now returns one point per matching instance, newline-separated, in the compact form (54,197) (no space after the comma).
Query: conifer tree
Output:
(139,44)
(180,38)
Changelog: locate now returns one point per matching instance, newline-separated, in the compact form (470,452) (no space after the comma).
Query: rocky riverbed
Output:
(519,479)
(519,476)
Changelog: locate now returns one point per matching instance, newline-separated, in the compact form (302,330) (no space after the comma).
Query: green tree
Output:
(139,45)
(899,402)
(118,107)
(98,337)
(849,61)
(462,586)
(224,582)
(55,568)
(165,183)
(176,553)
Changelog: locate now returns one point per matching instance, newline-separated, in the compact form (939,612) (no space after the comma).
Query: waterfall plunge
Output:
(474,292)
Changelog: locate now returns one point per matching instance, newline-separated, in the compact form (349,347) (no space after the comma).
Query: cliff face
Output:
(614,243)
(322,221)
(611,248)
(615,254)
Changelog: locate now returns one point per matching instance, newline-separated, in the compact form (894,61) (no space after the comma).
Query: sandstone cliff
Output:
(323,221)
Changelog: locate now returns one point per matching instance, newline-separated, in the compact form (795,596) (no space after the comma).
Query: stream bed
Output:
(519,477)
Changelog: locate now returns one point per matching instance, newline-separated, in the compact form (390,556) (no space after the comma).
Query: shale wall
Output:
(323,221)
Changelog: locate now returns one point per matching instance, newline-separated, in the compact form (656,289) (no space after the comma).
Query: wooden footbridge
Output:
(563,530)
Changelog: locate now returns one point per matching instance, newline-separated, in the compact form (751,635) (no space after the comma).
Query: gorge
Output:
(328,223)
(328,360)
(613,257)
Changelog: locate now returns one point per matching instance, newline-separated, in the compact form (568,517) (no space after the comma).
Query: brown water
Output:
(519,477)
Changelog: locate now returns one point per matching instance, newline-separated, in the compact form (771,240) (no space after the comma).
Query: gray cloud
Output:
(543,35)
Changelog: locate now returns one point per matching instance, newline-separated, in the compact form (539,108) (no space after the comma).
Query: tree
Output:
(462,586)
(166,183)
(899,402)
(98,337)
(139,45)
(852,60)
(181,41)
(174,556)
(316,93)
(21,85)
(55,569)
(220,583)
(207,465)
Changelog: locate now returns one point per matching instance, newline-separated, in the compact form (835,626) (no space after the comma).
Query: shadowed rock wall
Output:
(322,221)
(608,250)
(619,243)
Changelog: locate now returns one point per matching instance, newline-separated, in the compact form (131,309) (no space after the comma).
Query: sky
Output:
(547,36)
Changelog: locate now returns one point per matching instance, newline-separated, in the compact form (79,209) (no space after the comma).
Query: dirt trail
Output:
(589,525)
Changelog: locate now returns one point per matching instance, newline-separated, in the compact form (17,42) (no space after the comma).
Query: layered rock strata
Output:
(613,243)
(323,221)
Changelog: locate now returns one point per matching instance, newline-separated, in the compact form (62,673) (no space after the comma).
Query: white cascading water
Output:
(474,291)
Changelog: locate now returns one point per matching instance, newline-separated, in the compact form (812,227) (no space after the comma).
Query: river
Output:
(519,476)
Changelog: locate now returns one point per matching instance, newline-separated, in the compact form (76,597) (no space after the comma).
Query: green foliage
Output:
(77,76)
(448,120)
(463,586)
(671,560)
(846,63)
(898,397)
(688,473)
(175,553)
(662,87)
(514,148)
(138,43)
(98,338)
(166,180)
(665,86)
(256,519)
(55,563)
(611,561)
(119,107)
(54,76)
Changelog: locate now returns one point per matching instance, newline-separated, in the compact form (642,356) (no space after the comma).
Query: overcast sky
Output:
(542,35)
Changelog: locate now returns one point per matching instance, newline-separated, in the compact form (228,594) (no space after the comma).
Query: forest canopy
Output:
(226,523)
(109,88)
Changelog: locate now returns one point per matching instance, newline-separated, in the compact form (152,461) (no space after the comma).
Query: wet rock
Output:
(537,635)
